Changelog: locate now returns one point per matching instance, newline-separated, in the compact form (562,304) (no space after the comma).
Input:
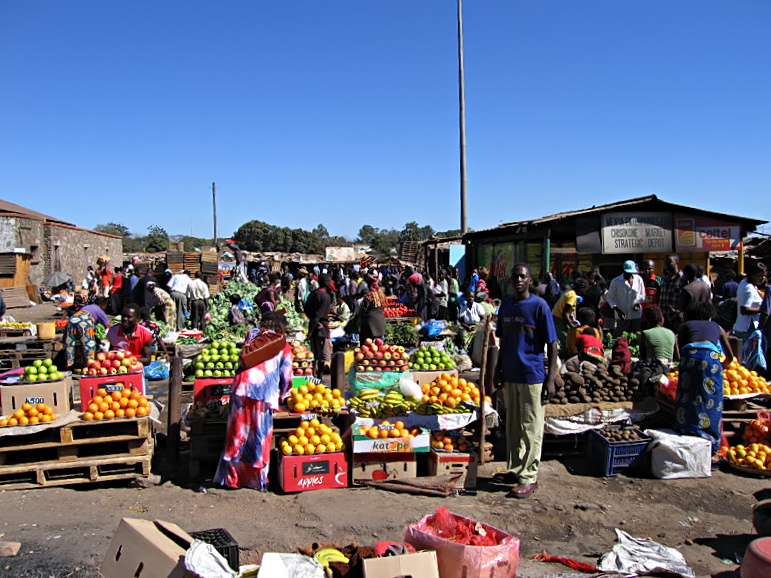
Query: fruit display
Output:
(738,380)
(449,394)
(375,355)
(595,384)
(449,442)
(312,437)
(315,397)
(220,359)
(430,358)
(302,363)
(386,429)
(41,370)
(61,323)
(379,403)
(211,410)
(111,363)
(121,403)
(395,309)
(15,325)
(30,414)
(752,455)
(756,431)
(622,434)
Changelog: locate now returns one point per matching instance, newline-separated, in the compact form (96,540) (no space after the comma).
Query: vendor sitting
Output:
(130,336)
(586,320)
(589,349)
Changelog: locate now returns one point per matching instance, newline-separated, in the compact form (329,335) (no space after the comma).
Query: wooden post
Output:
(173,410)
(481,428)
(337,371)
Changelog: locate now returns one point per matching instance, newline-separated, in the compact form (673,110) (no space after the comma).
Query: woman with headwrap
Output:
(371,311)
(162,304)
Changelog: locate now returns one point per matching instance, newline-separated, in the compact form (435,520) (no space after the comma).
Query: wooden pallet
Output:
(104,469)
(77,452)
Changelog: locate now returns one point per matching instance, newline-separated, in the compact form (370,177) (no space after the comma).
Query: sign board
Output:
(702,234)
(339,254)
(637,232)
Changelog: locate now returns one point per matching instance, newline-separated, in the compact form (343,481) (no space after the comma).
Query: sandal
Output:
(505,477)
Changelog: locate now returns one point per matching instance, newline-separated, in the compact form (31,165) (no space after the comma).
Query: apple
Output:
(368,341)
(119,355)
(387,355)
(308,371)
(128,362)
(103,371)
(359,356)
(364,349)
(115,363)
(378,341)
(93,371)
(101,356)
(113,370)
(124,369)
(379,354)
(360,368)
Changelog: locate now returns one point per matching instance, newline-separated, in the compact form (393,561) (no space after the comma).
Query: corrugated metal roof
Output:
(620,205)
(8,207)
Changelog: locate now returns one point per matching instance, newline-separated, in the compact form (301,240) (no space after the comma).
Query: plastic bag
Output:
(246,307)
(433,328)
(638,556)
(457,560)
(157,370)
(679,456)
(385,381)
(408,387)
(753,355)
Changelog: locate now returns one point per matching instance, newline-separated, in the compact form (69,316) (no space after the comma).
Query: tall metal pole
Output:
(214,202)
(462,108)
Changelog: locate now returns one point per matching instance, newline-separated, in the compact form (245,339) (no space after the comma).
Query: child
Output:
(586,320)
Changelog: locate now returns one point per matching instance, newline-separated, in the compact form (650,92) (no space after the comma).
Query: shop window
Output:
(35,254)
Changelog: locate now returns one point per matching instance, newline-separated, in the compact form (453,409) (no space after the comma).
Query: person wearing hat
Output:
(626,295)
(564,312)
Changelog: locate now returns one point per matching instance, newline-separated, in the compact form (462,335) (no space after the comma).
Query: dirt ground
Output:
(64,532)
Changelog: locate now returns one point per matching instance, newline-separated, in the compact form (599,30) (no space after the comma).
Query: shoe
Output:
(506,478)
(522,491)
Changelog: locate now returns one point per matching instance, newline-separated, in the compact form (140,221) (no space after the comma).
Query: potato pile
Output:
(621,434)
(595,384)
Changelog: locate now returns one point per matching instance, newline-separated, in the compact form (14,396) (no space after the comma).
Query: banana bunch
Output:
(394,404)
(16,324)
(439,409)
(327,555)
(362,402)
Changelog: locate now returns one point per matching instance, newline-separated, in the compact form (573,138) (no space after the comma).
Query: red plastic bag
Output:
(465,548)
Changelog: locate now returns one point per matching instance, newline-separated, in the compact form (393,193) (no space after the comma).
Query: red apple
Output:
(308,371)
(103,371)
(113,370)
(93,371)
(123,369)
(101,356)
(387,355)
(119,355)
(368,341)
(115,363)
(378,341)
(359,368)
(365,349)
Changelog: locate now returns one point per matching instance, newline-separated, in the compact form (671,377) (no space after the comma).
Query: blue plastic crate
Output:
(610,459)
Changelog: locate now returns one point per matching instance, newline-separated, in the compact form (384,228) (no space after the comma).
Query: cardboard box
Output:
(419,565)
(57,394)
(146,548)
(379,467)
(423,377)
(208,389)
(89,385)
(419,443)
(449,463)
(313,472)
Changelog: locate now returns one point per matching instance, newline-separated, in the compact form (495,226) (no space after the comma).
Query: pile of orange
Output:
(386,429)
(315,397)
(312,437)
(450,391)
(756,432)
(116,404)
(737,380)
(753,455)
(29,414)
(441,441)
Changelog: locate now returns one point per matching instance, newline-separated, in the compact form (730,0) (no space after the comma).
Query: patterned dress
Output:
(80,339)
(699,403)
(255,395)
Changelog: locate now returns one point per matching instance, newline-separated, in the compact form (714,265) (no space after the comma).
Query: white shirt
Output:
(179,283)
(197,290)
(747,295)
(625,296)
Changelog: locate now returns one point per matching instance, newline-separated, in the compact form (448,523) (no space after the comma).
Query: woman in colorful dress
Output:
(162,304)
(80,333)
(372,311)
(699,403)
(255,395)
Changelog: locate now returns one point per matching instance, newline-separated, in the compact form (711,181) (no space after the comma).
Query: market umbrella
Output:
(58,278)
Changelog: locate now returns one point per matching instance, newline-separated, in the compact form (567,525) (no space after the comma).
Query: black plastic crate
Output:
(610,459)
(223,542)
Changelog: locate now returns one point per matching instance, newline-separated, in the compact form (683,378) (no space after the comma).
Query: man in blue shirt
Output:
(525,328)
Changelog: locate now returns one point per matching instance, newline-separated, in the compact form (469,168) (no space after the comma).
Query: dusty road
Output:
(64,532)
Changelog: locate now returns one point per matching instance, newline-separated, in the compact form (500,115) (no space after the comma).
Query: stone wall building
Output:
(34,246)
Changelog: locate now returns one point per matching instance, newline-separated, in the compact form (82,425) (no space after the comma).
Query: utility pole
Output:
(462,110)
(214,202)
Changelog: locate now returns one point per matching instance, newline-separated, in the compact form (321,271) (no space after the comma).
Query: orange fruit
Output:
(88,416)
(48,411)
(116,395)
(41,407)
(131,412)
(24,420)
(331,447)
(298,449)
(135,395)
(115,406)
(45,418)
(97,399)
(104,406)
(120,412)
(93,407)
(101,391)
(3,422)
(18,414)
(99,416)
(109,414)
(32,412)
(34,420)
(108,399)
(310,449)
(124,402)
(13,421)
(26,406)
(383,433)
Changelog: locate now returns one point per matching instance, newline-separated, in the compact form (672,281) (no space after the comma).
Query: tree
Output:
(321,231)
(261,237)
(157,239)
(118,229)
(367,233)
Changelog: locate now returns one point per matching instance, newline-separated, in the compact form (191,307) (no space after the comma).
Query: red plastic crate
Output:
(212,389)
(89,385)
(313,472)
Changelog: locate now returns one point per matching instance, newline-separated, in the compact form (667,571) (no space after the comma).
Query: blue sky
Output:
(344,112)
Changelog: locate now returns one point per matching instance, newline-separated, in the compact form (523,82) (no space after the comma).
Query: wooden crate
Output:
(77,452)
